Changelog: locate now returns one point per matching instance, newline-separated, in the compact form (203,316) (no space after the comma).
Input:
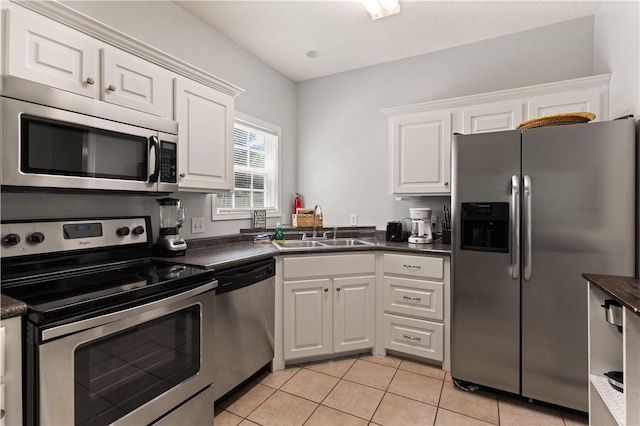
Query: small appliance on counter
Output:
(396,232)
(420,225)
(616,380)
(171,219)
(613,313)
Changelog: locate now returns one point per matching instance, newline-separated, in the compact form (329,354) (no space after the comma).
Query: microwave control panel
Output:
(168,162)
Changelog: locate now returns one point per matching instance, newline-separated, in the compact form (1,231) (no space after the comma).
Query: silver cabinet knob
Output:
(111,88)
(182,175)
(90,81)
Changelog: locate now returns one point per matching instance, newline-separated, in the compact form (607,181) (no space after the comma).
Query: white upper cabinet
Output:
(421,153)
(135,83)
(420,135)
(53,54)
(205,118)
(44,51)
(586,100)
(492,117)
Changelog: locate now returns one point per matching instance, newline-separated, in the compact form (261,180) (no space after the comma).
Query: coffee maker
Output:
(420,225)
(171,218)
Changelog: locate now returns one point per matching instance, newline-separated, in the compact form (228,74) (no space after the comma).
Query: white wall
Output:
(342,135)
(269,96)
(334,138)
(617,51)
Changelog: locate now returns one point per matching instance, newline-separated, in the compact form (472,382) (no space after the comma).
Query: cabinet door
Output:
(307,318)
(50,53)
(205,119)
(587,100)
(353,313)
(134,83)
(492,117)
(421,153)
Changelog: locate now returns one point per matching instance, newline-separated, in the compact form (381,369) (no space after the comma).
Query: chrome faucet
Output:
(315,211)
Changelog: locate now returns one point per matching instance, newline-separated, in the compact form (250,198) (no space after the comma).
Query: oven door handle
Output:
(86,324)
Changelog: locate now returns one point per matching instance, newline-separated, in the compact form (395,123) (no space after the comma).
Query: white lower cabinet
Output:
(415,337)
(11,372)
(416,300)
(612,350)
(328,304)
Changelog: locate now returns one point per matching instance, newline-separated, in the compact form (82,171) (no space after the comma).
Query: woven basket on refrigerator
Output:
(557,120)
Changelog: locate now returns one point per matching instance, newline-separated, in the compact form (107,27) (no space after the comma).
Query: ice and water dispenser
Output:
(485,227)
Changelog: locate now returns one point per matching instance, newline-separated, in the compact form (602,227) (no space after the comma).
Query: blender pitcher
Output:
(171,219)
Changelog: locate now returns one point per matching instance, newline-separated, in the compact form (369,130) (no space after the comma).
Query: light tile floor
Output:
(376,390)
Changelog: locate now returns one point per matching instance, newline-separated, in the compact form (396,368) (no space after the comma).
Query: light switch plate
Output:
(353,220)
(197,225)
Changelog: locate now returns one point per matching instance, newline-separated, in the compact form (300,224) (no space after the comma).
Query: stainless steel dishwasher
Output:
(244,318)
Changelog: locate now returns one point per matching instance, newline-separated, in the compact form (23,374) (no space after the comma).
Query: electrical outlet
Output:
(353,220)
(197,225)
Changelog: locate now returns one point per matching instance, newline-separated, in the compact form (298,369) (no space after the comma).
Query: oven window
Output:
(58,148)
(121,372)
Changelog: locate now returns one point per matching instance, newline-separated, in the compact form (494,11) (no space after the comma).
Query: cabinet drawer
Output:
(417,266)
(323,266)
(414,337)
(405,296)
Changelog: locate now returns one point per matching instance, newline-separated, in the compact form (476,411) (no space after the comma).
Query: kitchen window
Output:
(255,171)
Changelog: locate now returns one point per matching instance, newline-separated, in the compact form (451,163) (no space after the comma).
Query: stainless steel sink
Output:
(315,244)
(297,244)
(346,242)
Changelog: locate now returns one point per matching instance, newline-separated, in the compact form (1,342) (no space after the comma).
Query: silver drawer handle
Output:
(412,338)
(412,266)
(416,299)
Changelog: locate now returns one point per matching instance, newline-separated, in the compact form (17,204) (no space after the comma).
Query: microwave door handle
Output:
(515,227)
(153,140)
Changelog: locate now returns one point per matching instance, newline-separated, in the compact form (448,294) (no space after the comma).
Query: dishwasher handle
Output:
(244,275)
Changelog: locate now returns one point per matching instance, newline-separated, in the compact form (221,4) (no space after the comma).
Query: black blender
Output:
(171,218)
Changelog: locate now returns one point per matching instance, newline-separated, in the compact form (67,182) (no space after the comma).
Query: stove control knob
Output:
(10,239)
(124,231)
(35,238)
(138,230)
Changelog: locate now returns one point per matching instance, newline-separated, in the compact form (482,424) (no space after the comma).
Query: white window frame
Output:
(248,213)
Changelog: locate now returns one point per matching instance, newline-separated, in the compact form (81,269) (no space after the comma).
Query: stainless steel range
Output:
(112,336)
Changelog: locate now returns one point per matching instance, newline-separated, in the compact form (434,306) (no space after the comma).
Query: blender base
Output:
(161,251)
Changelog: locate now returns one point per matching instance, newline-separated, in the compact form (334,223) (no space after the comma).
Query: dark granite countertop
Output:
(625,290)
(235,250)
(229,253)
(11,307)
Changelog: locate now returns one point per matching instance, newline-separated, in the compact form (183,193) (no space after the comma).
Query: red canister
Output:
(297,203)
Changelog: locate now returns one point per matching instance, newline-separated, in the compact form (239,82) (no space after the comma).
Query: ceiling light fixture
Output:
(381,8)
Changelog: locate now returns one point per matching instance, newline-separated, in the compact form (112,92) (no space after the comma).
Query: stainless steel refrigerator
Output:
(532,211)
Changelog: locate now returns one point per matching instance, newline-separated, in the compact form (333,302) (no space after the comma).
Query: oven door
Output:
(44,147)
(129,367)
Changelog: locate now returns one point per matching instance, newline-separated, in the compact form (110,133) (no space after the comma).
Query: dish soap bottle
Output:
(278,234)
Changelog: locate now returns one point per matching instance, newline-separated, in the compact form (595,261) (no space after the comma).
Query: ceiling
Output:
(281,33)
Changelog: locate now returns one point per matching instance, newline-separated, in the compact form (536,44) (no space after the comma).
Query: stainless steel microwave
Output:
(65,142)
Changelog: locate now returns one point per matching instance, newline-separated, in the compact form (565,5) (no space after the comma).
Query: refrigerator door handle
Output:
(515,227)
(527,228)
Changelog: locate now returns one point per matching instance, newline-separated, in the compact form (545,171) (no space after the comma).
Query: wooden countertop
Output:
(625,290)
